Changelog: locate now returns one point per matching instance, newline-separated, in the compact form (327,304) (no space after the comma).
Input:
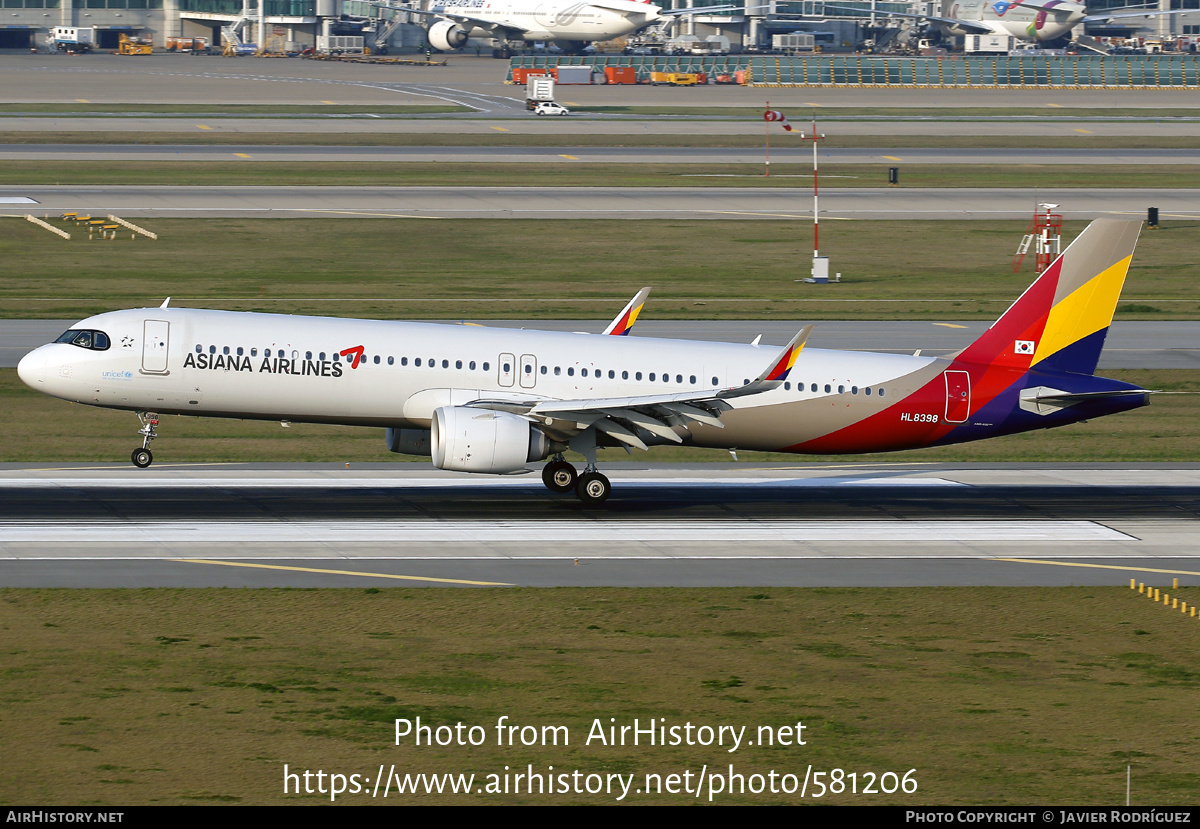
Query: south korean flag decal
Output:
(1024,347)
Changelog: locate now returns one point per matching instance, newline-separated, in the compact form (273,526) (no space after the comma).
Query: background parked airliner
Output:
(532,21)
(489,400)
(1027,20)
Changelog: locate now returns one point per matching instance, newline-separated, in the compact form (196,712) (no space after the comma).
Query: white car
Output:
(550,108)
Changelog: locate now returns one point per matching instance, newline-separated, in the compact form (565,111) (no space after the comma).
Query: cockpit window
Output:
(93,340)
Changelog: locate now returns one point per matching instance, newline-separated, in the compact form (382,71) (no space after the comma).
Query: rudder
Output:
(1061,321)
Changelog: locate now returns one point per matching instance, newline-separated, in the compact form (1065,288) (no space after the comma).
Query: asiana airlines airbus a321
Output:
(490,400)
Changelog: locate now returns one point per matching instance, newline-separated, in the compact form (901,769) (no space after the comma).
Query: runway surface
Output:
(699,202)
(1133,344)
(685,525)
(585,155)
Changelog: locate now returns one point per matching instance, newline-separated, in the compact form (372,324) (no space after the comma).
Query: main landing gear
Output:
(143,457)
(592,488)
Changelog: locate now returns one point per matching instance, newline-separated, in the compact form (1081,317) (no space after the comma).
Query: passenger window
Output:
(652,377)
(570,372)
(308,355)
(692,379)
(240,352)
(841,389)
(854,389)
(624,375)
(403,361)
(253,352)
(787,386)
(445,364)
(867,391)
(487,366)
(814,387)
(212,349)
(828,388)
(376,358)
(881,392)
(198,348)
(612,375)
(583,372)
(678,378)
(458,363)
(715,381)
(471,365)
(225,351)
(543,369)
(638,376)
(391,361)
(416,362)
(557,371)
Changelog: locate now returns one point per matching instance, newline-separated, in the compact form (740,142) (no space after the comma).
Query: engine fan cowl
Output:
(479,440)
(446,36)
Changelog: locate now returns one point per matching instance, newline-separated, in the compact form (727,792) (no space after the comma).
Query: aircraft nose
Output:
(32,368)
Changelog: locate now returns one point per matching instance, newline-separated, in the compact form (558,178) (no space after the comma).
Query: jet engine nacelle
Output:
(478,440)
(446,36)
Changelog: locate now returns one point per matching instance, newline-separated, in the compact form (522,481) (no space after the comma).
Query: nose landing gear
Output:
(143,457)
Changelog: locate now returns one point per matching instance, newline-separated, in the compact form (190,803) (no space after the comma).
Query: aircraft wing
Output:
(1101,18)
(966,25)
(467,20)
(658,414)
(700,10)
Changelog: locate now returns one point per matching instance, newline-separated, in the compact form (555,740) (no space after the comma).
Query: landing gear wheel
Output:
(142,458)
(593,489)
(559,476)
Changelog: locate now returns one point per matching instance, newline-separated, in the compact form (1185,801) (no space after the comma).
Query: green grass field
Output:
(990,695)
(564,172)
(427,268)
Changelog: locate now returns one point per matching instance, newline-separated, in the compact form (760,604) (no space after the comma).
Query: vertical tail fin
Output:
(1060,322)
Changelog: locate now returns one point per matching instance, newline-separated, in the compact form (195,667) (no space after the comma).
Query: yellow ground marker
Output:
(201,126)
(242,155)
(1056,106)
(949,325)
(500,129)
(1085,132)
(328,102)
(343,572)
(1097,566)
(892,158)
(572,157)
(812,105)
(83,100)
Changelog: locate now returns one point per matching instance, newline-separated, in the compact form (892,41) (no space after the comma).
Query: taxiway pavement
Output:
(699,202)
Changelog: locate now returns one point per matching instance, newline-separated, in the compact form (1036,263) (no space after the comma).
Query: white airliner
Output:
(491,400)
(1027,20)
(533,21)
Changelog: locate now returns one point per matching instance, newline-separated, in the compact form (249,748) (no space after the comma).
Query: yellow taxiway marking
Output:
(241,155)
(1100,566)
(1056,106)
(1085,132)
(328,102)
(949,325)
(812,105)
(891,158)
(343,572)
(201,126)
(500,129)
(83,100)
(572,157)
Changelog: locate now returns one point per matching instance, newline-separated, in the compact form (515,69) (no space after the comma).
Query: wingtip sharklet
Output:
(623,323)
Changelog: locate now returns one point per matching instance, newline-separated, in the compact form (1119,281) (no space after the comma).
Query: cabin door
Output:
(155,339)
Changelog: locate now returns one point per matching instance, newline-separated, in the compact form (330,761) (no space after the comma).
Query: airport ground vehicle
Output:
(550,108)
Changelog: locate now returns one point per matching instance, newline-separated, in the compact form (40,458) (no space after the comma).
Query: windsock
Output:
(775,115)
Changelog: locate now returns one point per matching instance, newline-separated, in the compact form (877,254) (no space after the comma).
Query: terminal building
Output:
(294,25)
